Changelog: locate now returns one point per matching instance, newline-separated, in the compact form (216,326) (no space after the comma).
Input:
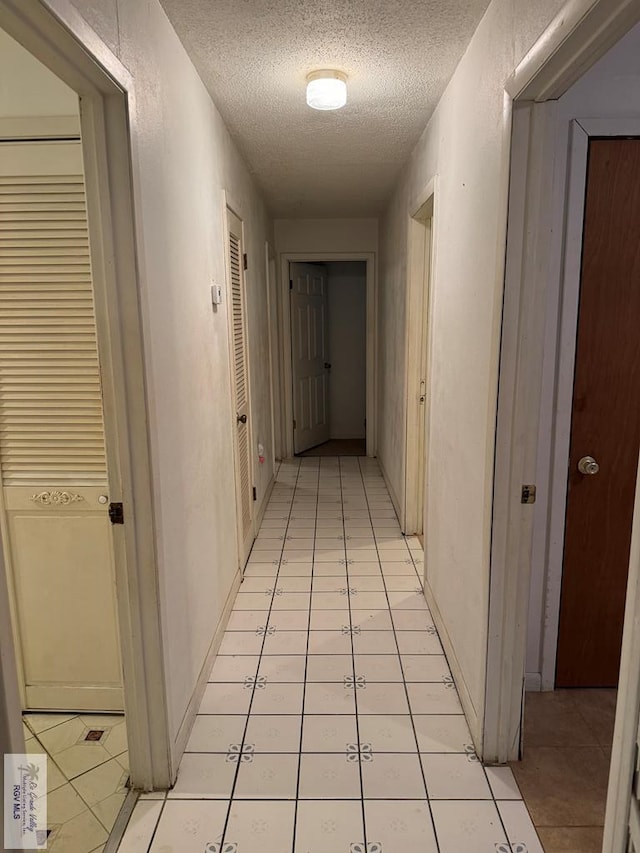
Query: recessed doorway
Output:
(328,329)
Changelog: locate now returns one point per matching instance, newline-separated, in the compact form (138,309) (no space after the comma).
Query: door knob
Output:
(242,419)
(588,465)
(327,365)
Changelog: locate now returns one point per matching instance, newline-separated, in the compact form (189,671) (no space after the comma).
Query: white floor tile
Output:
(454,776)
(268,777)
(329,668)
(265,827)
(234,667)
(330,776)
(286,643)
(274,732)
(442,733)
(141,826)
(216,732)
(387,732)
(378,698)
(393,776)
(433,699)
(246,620)
(372,620)
(374,642)
(291,601)
(329,643)
(328,698)
(189,826)
(205,776)
(419,643)
(330,620)
(328,733)
(425,668)
(241,643)
(375,668)
(405,826)
(467,825)
(278,698)
(327,825)
(289,620)
(282,668)
(502,783)
(222,698)
(519,827)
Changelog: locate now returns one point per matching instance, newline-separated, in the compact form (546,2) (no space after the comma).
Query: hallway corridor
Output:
(331,723)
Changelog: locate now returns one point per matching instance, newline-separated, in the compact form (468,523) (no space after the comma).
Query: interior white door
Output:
(54,506)
(310,361)
(244,477)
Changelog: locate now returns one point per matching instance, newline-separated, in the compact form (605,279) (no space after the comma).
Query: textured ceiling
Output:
(254,55)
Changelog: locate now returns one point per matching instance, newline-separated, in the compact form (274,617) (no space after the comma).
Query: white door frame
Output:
(285,337)
(63,41)
(419,302)
(580,34)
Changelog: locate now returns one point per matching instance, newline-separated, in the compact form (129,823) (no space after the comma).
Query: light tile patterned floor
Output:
(86,779)
(331,723)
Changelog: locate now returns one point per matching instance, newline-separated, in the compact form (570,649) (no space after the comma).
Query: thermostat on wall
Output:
(216,294)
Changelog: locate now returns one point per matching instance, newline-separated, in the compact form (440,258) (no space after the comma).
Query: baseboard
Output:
(456,671)
(188,720)
(533,682)
(390,489)
(265,503)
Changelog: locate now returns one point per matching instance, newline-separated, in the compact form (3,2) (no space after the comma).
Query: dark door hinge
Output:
(244,261)
(116,513)
(294,423)
(290,284)
(255,494)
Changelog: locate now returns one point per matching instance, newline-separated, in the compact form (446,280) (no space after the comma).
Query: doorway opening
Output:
(569,387)
(328,340)
(78,580)
(329,347)
(55,466)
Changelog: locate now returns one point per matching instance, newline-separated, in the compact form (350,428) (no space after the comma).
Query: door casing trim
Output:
(286,370)
(418,360)
(56,34)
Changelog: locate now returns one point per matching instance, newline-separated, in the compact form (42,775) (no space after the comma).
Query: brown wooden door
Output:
(605,421)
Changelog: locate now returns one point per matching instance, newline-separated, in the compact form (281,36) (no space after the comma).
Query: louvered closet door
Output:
(244,484)
(56,531)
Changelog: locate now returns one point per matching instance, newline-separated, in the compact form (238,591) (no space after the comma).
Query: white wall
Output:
(466,146)
(326,235)
(611,89)
(347,348)
(27,88)
(183,160)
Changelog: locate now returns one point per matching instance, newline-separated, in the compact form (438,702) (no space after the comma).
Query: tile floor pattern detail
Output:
(86,779)
(331,723)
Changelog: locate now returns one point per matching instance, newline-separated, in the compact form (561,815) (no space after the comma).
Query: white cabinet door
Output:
(53,500)
(310,360)
(240,371)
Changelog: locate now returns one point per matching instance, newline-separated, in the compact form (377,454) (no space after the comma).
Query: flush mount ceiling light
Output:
(326,90)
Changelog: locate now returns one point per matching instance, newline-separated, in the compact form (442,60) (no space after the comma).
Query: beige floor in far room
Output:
(565,768)
(86,778)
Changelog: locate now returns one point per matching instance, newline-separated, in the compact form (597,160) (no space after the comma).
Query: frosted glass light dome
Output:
(326,90)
